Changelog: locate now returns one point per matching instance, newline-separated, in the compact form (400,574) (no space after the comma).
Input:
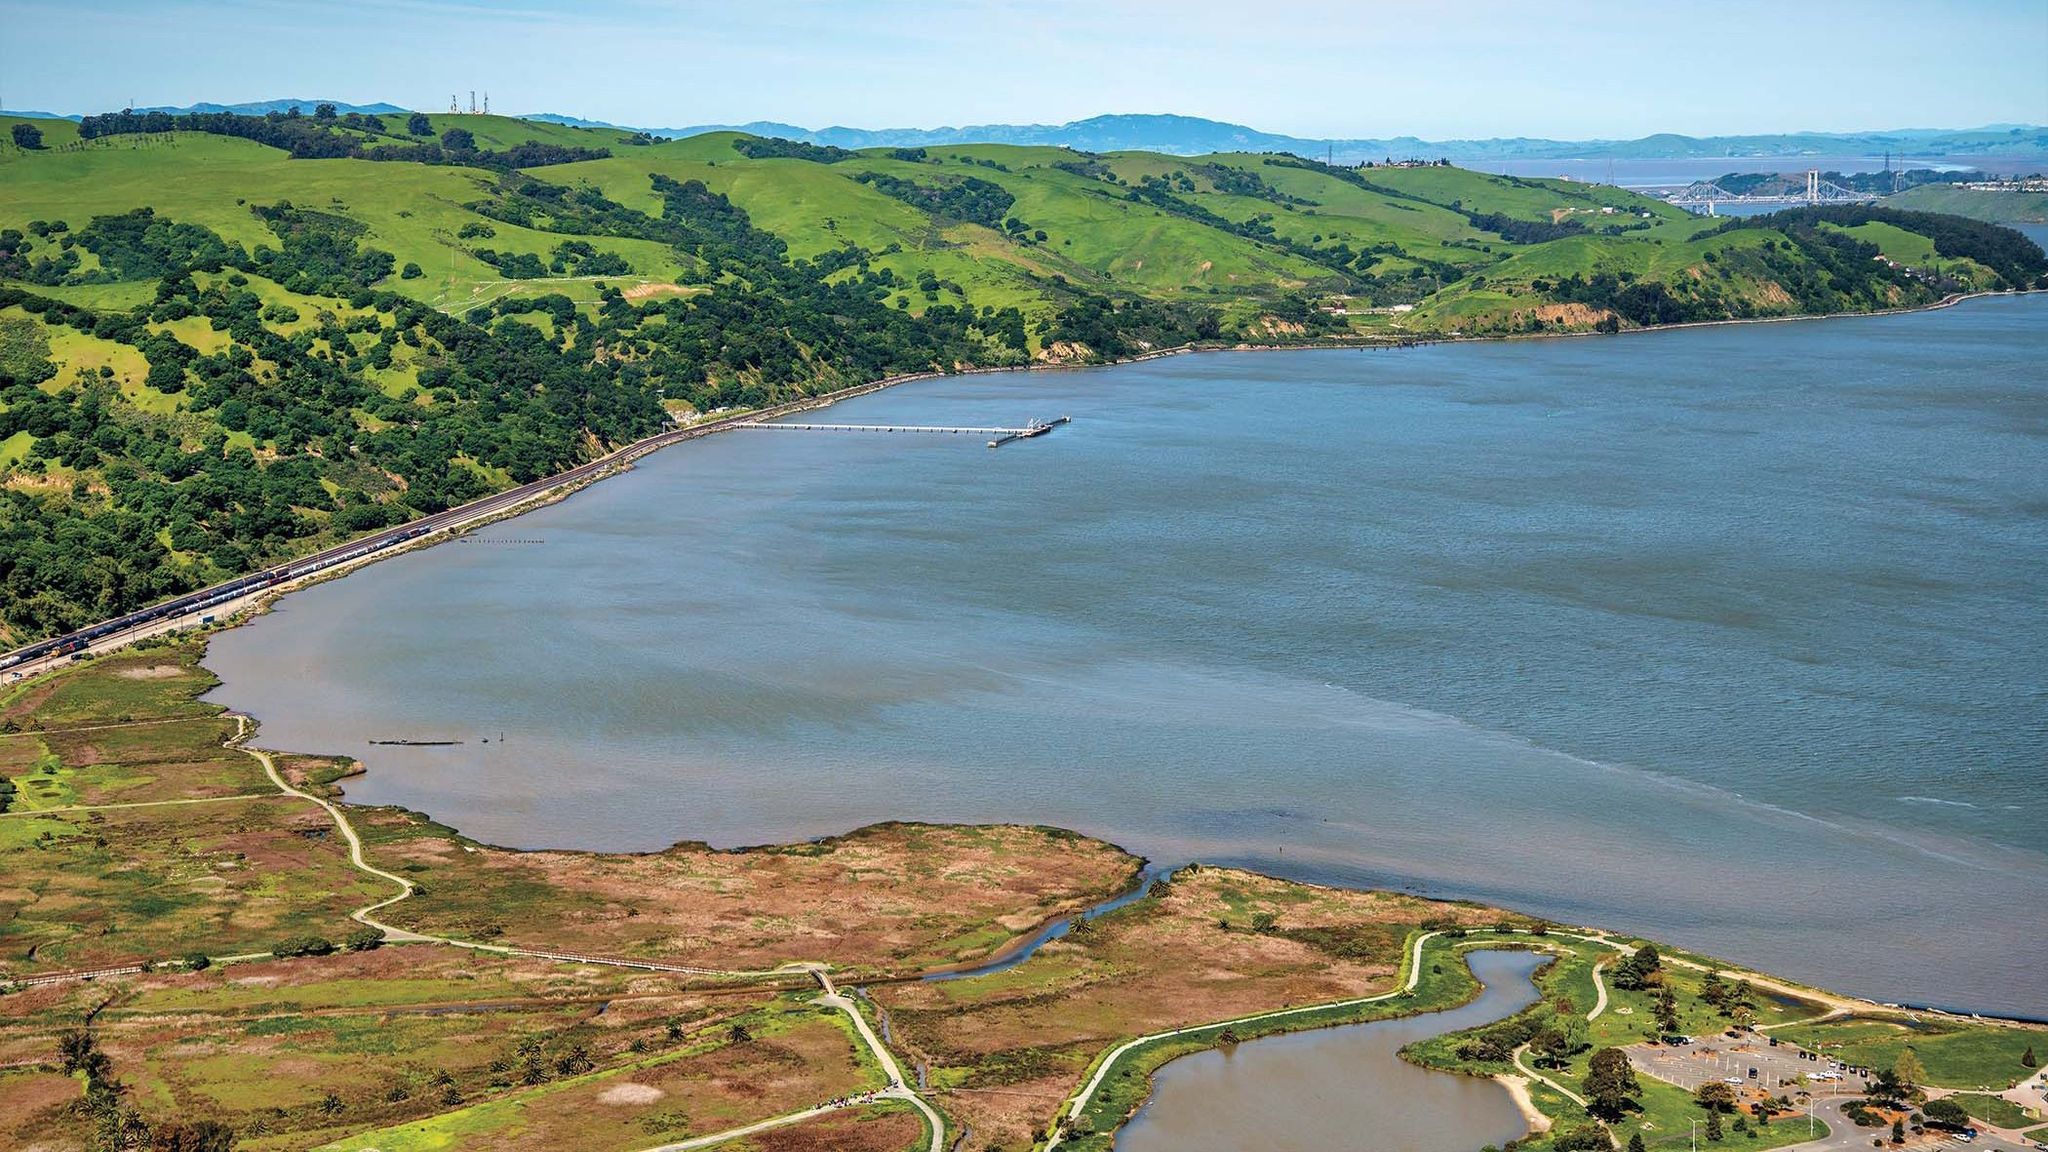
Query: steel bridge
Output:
(1707,194)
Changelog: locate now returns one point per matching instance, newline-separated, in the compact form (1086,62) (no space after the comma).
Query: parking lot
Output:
(1755,1068)
(1749,1063)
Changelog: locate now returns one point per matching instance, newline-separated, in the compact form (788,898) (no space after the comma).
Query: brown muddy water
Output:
(1341,1088)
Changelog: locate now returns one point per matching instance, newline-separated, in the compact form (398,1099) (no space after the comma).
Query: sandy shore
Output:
(1519,1089)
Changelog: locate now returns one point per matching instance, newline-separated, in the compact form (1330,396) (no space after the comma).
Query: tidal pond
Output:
(1341,1088)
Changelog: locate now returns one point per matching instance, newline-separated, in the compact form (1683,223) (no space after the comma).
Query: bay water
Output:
(1736,636)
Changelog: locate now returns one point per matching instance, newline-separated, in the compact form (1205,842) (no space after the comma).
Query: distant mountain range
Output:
(1193,135)
(252,108)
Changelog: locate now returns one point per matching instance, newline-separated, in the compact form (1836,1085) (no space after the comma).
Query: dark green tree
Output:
(1714,990)
(1945,1113)
(419,125)
(27,136)
(1610,1084)
(1715,1097)
(1667,1010)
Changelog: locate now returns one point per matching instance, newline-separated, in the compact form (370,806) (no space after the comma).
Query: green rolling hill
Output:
(1996,207)
(221,348)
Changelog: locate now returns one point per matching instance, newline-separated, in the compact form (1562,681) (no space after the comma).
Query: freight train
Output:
(76,642)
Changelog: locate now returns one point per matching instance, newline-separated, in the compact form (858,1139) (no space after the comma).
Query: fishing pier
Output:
(998,436)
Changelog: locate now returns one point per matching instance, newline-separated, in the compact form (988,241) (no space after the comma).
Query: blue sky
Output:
(1559,68)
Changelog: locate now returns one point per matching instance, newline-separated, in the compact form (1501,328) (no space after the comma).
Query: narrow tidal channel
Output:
(1341,1088)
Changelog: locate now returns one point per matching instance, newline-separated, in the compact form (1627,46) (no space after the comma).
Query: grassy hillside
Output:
(225,340)
(1996,207)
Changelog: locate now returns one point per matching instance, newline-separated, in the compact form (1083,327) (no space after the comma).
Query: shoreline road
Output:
(243,592)
(235,595)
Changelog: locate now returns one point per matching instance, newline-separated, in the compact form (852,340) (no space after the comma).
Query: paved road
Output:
(898,1089)
(1515,1058)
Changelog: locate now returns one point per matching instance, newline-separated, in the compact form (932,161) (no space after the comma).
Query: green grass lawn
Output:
(1995,1110)
(1894,241)
(1955,1054)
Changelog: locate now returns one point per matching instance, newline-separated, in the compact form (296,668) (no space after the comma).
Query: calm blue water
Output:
(1682,171)
(1736,636)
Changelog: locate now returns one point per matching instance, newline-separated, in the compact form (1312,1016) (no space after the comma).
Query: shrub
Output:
(1945,1114)
(1587,1138)
(302,946)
